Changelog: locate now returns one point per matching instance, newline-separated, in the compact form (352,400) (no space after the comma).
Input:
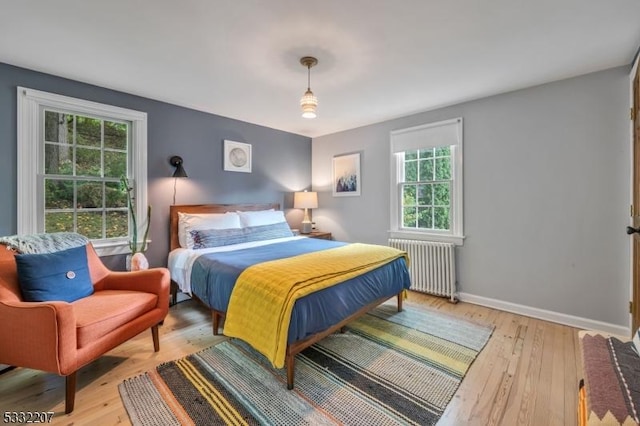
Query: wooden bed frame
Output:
(292,348)
(174,242)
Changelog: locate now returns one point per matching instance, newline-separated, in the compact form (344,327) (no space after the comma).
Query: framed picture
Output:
(346,175)
(237,156)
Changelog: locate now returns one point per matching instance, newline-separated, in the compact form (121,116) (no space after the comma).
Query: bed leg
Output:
(216,322)
(173,293)
(290,369)
(400,295)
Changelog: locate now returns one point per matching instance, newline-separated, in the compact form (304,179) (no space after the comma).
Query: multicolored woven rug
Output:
(388,368)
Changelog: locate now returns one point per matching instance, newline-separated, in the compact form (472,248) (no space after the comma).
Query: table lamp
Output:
(305,200)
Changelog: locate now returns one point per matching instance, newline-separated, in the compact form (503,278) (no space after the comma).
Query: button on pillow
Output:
(59,276)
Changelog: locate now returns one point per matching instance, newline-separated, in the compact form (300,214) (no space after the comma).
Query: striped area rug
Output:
(389,368)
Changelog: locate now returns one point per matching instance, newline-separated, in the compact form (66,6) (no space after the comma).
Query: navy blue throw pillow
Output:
(207,238)
(59,276)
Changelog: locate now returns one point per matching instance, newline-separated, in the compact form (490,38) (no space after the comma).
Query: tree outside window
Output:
(426,190)
(84,160)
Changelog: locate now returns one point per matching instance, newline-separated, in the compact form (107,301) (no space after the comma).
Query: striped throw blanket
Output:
(260,308)
(44,243)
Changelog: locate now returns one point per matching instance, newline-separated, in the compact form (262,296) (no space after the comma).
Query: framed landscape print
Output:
(346,175)
(237,156)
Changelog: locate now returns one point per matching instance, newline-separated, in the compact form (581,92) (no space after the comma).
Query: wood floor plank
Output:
(512,351)
(527,379)
(543,391)
(526,374)
(486,379)
(558,378)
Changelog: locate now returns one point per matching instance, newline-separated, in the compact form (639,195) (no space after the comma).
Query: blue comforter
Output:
(214,275)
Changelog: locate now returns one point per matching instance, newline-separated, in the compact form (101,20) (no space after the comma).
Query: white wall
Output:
(546,195)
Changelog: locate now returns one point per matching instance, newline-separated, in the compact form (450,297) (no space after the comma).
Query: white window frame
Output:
(416,135)
(31,104)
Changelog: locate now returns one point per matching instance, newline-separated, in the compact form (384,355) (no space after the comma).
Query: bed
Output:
(217,275)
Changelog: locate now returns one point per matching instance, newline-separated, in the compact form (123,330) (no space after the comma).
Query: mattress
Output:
(210,275)
(181,260)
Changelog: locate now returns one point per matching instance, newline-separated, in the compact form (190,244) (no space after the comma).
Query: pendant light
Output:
(308,102)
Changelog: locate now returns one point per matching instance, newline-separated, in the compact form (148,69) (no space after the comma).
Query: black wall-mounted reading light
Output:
(176,161)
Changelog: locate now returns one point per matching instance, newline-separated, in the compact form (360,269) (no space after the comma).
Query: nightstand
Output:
(319,234)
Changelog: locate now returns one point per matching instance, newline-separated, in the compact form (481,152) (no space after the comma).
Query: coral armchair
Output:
(61,337)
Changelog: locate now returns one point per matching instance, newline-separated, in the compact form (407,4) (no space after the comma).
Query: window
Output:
(72,155)
(426,184)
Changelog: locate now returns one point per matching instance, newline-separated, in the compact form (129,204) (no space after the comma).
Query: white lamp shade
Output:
(305,200)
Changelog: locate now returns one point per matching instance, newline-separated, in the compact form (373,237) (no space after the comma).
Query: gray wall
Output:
(546,194)
(281,161)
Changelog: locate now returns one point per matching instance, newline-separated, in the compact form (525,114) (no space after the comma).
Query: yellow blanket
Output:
(262,300)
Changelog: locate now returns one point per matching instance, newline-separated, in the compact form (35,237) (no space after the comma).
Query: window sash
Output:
(449,133)
(77,178)
(31,104)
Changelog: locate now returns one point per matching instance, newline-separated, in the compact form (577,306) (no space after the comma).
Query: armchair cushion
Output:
(59,276)
(108,310)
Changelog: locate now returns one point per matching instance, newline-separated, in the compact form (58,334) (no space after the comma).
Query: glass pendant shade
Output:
(309,103)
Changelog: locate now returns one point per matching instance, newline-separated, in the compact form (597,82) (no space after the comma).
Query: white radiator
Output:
(432,266)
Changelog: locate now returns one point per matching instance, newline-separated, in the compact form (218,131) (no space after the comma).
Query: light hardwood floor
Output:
(526,375)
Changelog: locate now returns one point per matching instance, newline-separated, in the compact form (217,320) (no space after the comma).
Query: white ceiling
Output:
(378,59)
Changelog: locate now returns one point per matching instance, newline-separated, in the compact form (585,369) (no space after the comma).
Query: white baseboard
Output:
(543,314)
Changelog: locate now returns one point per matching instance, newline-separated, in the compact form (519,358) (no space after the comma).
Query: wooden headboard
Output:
(207,208)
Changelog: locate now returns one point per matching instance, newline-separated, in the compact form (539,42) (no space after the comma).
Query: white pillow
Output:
(261,217)
(195,222)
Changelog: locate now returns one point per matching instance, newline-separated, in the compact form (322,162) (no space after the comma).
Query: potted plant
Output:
(136,260)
